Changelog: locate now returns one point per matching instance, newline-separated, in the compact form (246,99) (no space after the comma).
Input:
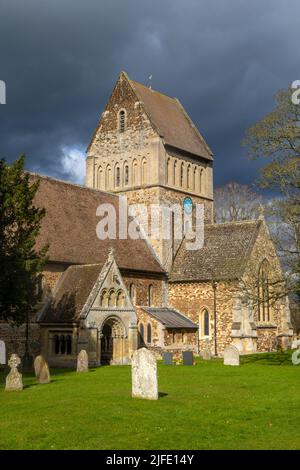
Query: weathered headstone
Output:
(41,370)
(231,356)
(144,375)
(14,378)
(295,344)
(168,358)
(82,361)
(206,353)
(187,358)
(2,353)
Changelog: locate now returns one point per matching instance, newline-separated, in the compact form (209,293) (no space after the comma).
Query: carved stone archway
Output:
(113,338)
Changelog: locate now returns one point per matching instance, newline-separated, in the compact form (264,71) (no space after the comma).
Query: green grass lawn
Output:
(208,406)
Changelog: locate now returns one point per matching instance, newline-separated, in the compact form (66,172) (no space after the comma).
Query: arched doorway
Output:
(112,342)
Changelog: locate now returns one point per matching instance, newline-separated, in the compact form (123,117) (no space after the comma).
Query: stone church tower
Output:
(146,148)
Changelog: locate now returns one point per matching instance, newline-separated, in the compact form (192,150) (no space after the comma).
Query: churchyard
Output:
(206,406)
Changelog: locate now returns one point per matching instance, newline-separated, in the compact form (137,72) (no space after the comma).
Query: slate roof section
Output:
(69,228)
(171,121)
(71,294)
(171,318)
(226,250)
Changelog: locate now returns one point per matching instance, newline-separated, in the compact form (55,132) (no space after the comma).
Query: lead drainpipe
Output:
(214,286)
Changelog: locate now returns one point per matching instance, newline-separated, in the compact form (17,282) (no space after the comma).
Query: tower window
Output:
(122,121)
(126,174)
(118,177)
(181,175)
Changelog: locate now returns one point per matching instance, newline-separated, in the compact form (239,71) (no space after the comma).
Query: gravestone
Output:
(168,359)
(14,378)
(82,361)
(2,353)
(206,353)
(187,358)
(295,344)
(231,356)
(41,370)
(144,375)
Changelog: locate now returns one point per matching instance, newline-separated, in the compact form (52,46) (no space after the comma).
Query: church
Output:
(113,295)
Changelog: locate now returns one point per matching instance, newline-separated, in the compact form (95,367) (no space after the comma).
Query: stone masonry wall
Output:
(191,298)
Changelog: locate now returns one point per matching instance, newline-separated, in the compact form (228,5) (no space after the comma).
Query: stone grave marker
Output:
(206,353)
(14,378)
(2,353)
(144,375)
(187,358)
(83,361)
(41,370)
(168,358)
(231,356)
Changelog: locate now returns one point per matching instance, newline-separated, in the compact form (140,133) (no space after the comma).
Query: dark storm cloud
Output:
(60,59)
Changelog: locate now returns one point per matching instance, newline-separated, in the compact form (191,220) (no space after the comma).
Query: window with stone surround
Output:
(144,171)
(149,333)
(201,181)
(132,293)
(126,174)
(134,172)
(188,176)
(195,179)
(142,334)
(62,344)
(169,181)
(118,177)
(204,327)
(150,295)
(181,175)
(263,292)
(122,120)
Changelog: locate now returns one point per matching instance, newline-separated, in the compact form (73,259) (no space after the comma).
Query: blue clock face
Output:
(188,205)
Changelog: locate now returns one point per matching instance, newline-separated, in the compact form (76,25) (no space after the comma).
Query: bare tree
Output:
(235,201)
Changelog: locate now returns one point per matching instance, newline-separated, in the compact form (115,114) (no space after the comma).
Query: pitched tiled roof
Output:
(171,121)
(170,318)
(71,294)
(224,255)
(70,228)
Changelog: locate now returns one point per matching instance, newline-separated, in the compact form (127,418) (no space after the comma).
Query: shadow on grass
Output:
(281,358)
(162,394)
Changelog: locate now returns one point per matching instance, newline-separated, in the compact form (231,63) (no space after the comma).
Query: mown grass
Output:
(208,406)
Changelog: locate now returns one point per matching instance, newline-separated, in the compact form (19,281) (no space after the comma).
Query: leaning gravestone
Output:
(144,375)
(41,370)
(14,378)
(2,353)
(231,356)
(168,359)
(187,358)
(82,361)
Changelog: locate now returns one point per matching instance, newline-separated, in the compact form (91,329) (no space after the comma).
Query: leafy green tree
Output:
(20,263)
(276,138)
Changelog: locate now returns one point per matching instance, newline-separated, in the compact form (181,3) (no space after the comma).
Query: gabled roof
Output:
(69,227)
(171,318)
(227,248)
(71,294)
(171,121)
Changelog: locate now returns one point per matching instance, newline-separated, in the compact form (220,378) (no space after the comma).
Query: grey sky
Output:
(223,59)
